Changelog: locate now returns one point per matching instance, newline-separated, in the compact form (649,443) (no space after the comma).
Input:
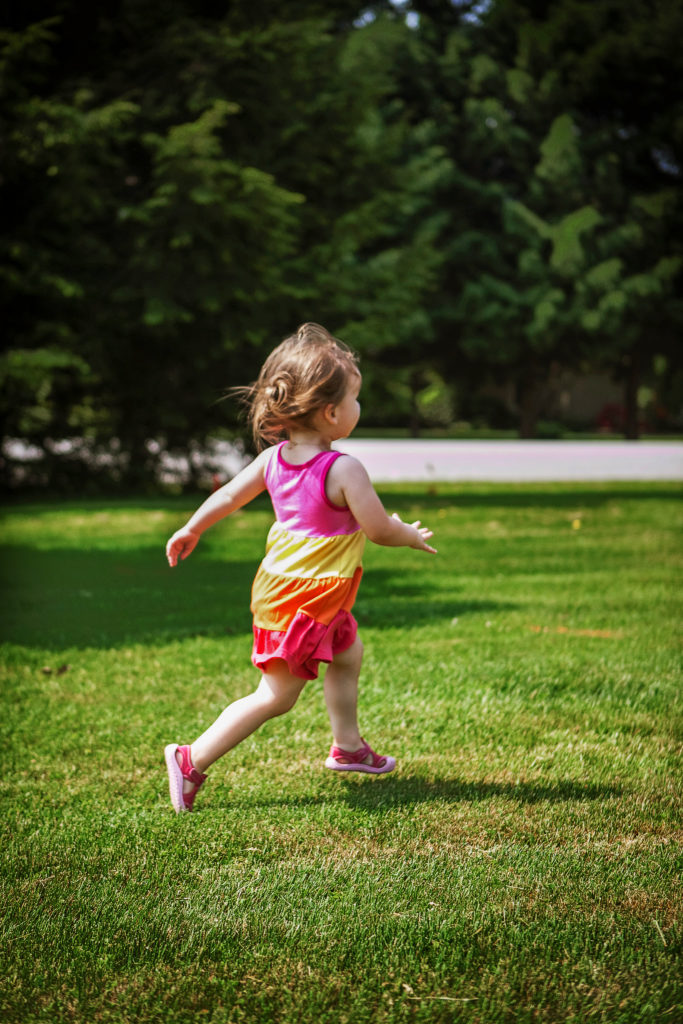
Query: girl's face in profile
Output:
(347,412)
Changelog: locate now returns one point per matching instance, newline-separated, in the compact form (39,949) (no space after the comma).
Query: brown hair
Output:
(306,372)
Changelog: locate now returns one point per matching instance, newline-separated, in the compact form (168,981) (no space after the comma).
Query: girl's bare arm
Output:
(354,483)
(239,491)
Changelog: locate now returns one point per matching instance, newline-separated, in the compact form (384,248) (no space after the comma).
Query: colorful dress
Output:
(306,585)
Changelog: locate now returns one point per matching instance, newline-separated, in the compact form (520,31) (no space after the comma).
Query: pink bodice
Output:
(299,498)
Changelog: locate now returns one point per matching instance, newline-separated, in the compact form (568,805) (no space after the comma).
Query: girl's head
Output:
(304,374)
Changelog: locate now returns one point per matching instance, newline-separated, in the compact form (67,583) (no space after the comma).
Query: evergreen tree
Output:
(565,209)
(175,172)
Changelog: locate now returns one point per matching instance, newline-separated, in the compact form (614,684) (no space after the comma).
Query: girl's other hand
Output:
(182,543)
(422,535)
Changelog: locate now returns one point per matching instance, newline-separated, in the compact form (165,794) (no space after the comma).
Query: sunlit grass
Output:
(522,863)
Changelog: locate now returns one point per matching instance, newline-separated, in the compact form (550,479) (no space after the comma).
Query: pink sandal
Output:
(346,761)
(177,772)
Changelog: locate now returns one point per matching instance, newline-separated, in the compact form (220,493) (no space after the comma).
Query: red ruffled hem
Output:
(305,643)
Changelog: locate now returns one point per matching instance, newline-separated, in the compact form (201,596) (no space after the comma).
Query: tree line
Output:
(459,190)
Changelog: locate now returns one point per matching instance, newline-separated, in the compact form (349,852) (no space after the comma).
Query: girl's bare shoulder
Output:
(346,475)
(266,455)
(347,467)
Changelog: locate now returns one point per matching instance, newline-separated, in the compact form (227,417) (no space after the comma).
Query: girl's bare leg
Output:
(341,697)
(276,694)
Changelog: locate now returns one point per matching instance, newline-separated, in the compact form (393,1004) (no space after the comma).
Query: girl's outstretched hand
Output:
(182,543)
(422,535)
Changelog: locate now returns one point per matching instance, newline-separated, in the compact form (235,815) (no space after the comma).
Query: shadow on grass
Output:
(415,790)
(61,598)
(391,598)
(65,598)
(406,792)
(438,496)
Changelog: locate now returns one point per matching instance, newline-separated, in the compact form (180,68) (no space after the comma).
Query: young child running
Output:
(305,587)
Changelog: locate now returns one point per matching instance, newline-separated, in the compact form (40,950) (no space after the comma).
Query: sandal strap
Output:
(188,770)
(358,756)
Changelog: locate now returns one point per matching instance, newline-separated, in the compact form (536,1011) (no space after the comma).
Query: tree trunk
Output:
(631,383)
(529,401)
(139,472)
(415,384)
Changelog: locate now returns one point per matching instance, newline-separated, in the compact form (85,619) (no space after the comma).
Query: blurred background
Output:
(483,199)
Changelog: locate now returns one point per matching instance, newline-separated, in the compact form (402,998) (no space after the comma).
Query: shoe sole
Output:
(336,767)
(175,778)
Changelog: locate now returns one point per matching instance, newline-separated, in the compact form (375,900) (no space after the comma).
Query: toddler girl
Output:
(305,587)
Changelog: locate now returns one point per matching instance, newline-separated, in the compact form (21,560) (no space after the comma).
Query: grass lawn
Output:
(521,864)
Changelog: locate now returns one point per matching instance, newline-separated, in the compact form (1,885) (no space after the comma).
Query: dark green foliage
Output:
(175,180)
(566,207)
(493,190)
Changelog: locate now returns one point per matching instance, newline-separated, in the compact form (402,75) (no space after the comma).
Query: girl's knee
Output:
(278,699)
(283,703)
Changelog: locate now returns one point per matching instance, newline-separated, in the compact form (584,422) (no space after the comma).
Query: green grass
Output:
(523,862)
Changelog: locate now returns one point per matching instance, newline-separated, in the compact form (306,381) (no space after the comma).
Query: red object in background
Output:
(215,482)
(611,418)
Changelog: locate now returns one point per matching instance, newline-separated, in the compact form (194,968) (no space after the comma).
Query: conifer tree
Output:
(565,207)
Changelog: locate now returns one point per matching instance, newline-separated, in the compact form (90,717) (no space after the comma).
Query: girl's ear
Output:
(330,413)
